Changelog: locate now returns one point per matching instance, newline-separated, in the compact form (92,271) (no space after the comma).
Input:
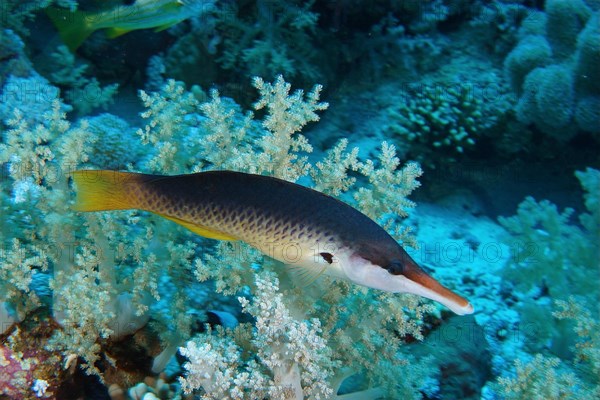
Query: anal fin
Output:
(199,229)
(113,33)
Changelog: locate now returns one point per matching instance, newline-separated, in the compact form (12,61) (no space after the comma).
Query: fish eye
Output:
(328,257)
(395,267)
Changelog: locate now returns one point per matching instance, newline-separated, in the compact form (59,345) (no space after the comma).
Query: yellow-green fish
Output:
(288,222)
(75,26)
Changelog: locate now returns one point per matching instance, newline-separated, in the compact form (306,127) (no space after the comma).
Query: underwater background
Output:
(469,130)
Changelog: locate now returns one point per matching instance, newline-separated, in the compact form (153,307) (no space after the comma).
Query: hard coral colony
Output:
(308,291)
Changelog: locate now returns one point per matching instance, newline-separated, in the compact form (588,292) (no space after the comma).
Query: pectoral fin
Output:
(305,275)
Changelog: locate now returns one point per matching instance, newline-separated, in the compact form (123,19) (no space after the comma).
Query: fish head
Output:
(402,275)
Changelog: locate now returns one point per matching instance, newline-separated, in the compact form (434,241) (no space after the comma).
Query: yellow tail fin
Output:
(104,190)
(73,26)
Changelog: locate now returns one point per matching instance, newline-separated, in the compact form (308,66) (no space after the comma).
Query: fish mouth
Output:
(422,284)
(408,278)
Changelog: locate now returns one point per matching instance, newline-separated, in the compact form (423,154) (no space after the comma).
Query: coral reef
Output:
(553,67)
(489,107)
(293,352)
(85,94)
(272,146)
(449,118)
(543,270)
(16,14)
(548,377)
(539,379)
(14,62)
(541,230)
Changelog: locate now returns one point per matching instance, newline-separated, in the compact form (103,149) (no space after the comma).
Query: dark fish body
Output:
(261,210)
(286,221)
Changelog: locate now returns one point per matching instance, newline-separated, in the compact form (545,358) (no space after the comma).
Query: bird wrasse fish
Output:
(288,222)
(75,26)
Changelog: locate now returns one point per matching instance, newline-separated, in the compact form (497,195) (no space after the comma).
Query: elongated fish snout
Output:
(421,283)
(402,275)
(228,205)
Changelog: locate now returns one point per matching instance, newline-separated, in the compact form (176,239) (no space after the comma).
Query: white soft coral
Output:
(293,359)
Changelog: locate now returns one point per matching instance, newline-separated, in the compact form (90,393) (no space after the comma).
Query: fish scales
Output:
(261,211)
(291,223)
